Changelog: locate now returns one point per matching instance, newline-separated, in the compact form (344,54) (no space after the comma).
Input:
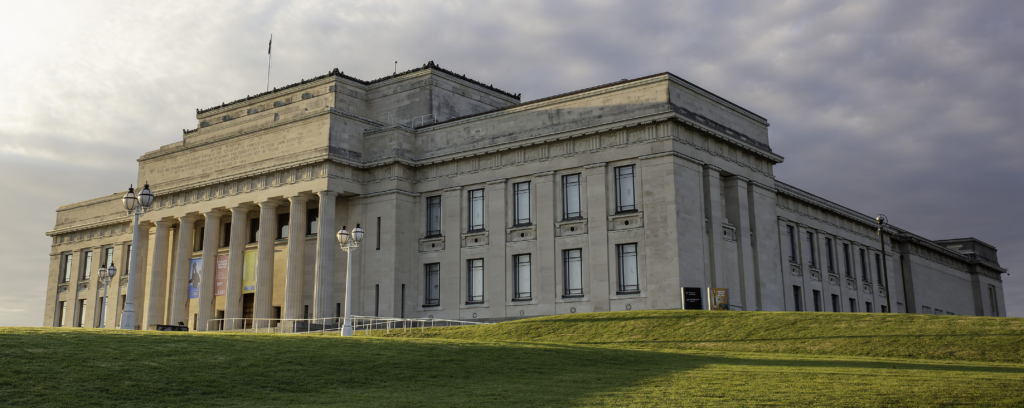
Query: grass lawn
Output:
(644,358)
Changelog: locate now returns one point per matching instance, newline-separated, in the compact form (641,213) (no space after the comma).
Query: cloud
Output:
(906,108)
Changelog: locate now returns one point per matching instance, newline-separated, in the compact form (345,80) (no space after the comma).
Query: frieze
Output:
(932,256)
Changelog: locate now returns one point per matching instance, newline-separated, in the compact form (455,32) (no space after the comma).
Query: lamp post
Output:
(135,205)
(882,220)
(348,245)
(106,275)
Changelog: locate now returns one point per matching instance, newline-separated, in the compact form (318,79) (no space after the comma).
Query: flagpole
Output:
(269,58)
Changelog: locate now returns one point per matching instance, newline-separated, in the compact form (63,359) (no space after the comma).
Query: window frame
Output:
(433,205)
(80,316)
(878,270)
(472,202)
(283,222)
(62,312)
(518,294)
(474,267)
(225,235)
(847,261)
(254,231)
(429,270)
(798,298)
(518,190)
(791,232)
(86,265)
(623,287)
(312,221)
(830,262)
(864,273)
(567,259)
(810,247)
(620,177)
(567,185)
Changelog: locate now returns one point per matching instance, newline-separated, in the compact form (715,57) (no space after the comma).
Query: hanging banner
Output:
(718,298)
(194,271)
(221,282)
(249,272)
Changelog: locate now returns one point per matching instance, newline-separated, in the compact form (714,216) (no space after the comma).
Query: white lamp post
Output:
(106,275)
(135,205)
(348,245)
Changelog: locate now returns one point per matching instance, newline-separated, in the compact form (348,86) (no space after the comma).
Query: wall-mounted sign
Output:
(718,298)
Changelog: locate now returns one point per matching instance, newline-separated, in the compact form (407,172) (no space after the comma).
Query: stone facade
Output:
(609,198)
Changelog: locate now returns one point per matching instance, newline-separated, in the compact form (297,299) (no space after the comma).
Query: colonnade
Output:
(175,310)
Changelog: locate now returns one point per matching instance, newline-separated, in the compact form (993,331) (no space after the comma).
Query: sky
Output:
(914,109)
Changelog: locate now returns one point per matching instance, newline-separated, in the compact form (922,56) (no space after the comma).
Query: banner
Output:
(221,282)
(249,272)
(194,278)
(718,298)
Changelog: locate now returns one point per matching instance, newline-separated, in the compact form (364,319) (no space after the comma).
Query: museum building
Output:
(477,206)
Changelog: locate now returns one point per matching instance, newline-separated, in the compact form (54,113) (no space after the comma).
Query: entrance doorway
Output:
(248,304)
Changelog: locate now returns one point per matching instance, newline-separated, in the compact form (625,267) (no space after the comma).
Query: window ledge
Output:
(522,299)
(628,292)
(480,302)
(432,307)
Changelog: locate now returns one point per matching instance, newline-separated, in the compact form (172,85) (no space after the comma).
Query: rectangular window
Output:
(926,310)
(625,199)
(846,261)
(521,202)
(197,239)
(885,309)
(81,313)
(835,303)
(337,310)
(432,294)
(628,274)
(571,207)
(993,301)
(828,255)
(127,259)
(254,230)
(475,281)
(798,299)
(282,225)
(476,210)
(312,221)
(434,216)
(378,233)
(62,311)
(87,265)
(878,270)
(817,300)
(853,305)
(521,280)
(864,267)
(867,307)
(938,311)
(108,257)
(572,268)
(226,233)
(810,247)
(791,234)
(67,269)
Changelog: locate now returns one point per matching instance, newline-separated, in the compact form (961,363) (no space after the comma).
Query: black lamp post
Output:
(882,220)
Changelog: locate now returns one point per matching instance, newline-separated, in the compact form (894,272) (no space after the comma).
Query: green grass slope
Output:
(557,361)
(963,338)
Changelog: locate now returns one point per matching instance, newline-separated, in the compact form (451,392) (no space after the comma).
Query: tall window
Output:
(254,230)
(572,268)
(127,259)
(521,280)
(108,257)
(312,221)
(434,216)
(878,270)
(282,225)
(81,313)
(846,261)
(853,305)
(87,265)
(197,239)
(226,233)
(571,197)
(476,210)
(816,294)
(67,269)
(835,303)
(475,283)
(791,234)
(828,255)
(993,301)
(798,299)
(521,201)
(864,267)
(628,280)
(867,307)
(810,247)
(432,295)
(62,311)
(625,199)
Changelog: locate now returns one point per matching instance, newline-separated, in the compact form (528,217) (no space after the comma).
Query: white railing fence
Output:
(362,325)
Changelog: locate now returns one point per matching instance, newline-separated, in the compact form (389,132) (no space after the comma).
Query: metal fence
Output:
(362,325)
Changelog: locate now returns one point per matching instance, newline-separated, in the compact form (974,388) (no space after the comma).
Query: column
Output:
(211,236)
(263,306)
(767,267)
(597,226)
(495,288)
(179,284)
(326,243)
(739,214)
(296,249)
(158,275)
(713,213)
(545,266)
(233,297)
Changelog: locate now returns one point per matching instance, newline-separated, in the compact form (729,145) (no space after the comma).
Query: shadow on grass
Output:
(95,367)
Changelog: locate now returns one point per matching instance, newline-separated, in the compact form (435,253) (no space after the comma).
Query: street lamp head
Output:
(343,235)
(882,219)
(146,196)
(103,271)
(111,271)
(129,200)
(357,234)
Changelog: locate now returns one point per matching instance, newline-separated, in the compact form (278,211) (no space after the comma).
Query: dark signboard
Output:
(167,327)
(691,299)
